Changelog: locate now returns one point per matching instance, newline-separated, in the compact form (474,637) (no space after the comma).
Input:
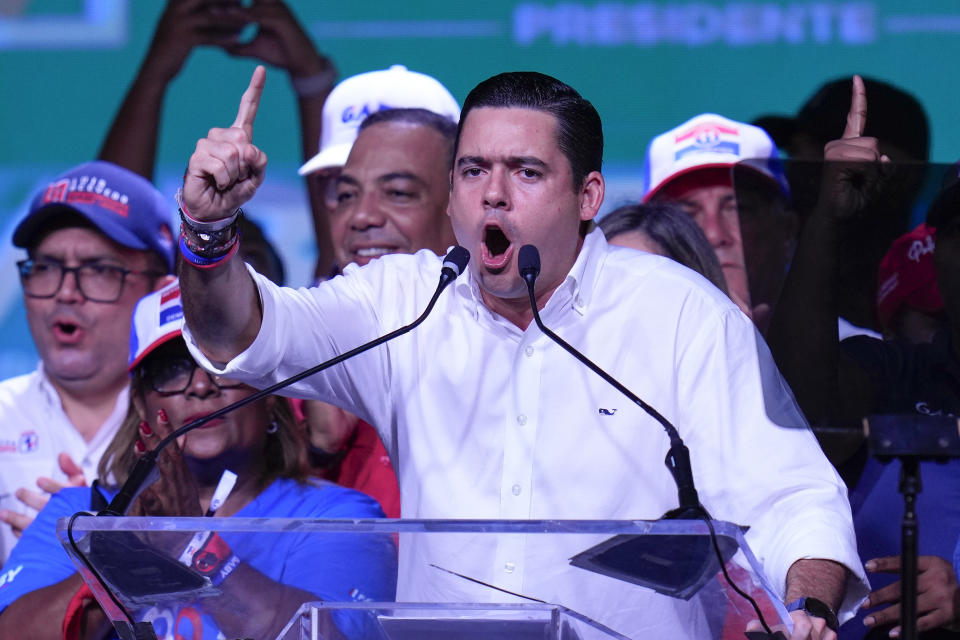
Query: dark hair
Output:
(444,125)
(422,117)
(579,131)
(674,230)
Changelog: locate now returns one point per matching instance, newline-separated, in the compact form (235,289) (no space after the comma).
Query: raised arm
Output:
(131,141)
(808,305)
(220,302)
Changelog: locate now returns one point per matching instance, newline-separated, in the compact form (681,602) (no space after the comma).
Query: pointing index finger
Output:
(250,101)
(857,117)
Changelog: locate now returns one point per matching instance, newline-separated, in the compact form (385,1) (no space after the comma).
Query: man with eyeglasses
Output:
(98,239)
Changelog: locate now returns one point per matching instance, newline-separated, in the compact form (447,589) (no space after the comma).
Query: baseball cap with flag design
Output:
(709,141)
(157,319)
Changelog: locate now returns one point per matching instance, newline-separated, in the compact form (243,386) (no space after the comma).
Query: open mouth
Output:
(67,331)
(496,248)
(67,328)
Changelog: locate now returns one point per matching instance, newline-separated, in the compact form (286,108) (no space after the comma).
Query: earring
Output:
(273,427)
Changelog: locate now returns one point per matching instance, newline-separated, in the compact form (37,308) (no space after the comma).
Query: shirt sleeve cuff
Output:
(255,359)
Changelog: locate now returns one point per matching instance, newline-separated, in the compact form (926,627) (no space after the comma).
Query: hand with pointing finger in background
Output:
(851,172)
(226,169)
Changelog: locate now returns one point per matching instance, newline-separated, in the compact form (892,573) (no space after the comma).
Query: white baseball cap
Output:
(705,141)
(358,96)
(157,319)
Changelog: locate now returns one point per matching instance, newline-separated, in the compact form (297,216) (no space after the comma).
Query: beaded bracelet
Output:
(208,241)
(204,262)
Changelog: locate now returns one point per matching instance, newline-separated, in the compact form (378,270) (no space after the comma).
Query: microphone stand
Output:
(145,468)
(911,439)
(678,463)
(678,456)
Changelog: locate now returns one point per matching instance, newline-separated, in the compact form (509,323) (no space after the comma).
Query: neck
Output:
(88,405)
(517,311)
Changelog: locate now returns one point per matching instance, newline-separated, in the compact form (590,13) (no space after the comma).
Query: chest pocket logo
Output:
(29,441)
(607,412)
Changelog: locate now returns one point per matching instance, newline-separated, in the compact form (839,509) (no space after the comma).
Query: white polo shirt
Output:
(34,431)
(487,421)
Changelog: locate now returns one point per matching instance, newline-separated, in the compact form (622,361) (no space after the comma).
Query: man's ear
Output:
(591,195)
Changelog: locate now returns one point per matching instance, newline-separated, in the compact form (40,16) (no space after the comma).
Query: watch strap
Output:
(817,609)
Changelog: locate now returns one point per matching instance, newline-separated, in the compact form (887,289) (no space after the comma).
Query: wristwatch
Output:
(817,609)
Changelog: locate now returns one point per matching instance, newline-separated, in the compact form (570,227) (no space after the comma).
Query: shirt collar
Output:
(575,292)
(108,429)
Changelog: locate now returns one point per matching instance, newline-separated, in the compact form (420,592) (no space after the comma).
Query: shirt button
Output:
(579,301)
(521,419)
(509,567)
(528,351)
(516,489)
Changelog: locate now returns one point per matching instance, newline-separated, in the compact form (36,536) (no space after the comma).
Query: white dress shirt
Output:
(484,420)
(34,431)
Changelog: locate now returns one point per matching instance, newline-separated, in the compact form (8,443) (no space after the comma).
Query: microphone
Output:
(678,457)
(145,472)
(676,565)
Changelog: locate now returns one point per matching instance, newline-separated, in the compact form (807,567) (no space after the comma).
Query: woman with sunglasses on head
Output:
(262,585)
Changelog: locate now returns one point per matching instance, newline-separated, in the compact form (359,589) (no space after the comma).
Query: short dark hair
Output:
(423,117)
(674,230)
(579,131)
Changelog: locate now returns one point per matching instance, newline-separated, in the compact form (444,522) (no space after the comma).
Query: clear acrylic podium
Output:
(571,580)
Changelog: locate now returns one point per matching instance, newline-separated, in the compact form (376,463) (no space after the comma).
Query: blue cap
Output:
(124,206)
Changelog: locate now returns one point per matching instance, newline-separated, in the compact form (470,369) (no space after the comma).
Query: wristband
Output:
(205,240)
(204,262)
(817,609)
(204,226)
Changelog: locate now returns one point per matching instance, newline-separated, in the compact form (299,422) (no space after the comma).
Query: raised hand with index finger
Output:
(226,168)
(851,165)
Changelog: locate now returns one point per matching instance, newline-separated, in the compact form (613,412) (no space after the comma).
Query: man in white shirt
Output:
(492,420)
(97,240)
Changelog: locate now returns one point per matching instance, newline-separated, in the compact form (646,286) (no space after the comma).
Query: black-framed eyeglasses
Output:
(96,282)
(170,376)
